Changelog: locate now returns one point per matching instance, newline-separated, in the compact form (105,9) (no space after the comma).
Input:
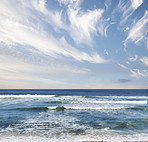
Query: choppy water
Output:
(73,115)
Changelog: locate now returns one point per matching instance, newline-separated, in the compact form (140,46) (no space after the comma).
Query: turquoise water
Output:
(73,115)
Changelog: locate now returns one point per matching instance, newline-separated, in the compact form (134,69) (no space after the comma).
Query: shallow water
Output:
(86,115)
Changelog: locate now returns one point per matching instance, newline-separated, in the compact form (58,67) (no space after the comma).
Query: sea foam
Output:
(118,102)
(80,138)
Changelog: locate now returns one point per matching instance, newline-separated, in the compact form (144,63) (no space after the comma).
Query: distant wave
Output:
(85,108)
(61,108)
(127,97)
(26,96)
(81,98)
(118,102)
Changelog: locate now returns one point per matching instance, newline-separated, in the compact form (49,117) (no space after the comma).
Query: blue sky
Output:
(96,44)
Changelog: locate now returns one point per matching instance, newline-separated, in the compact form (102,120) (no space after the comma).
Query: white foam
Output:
(80,138)
(88,107)
(52,107)
(27,96)
(127,97)
(118,102)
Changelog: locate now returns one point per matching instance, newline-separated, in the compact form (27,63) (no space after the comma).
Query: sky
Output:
(74,44)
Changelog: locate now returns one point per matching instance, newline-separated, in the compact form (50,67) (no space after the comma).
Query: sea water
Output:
(73,115)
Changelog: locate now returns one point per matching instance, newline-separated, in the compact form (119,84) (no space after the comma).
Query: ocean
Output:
(73,115)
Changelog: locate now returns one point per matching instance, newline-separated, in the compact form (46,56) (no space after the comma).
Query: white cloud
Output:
(79,55)
(123,66)
(108,4)
(128,8)
(106,52)
(54,18)
(136,3)
(14,30)
(127,62)
(126,29)
(66,2)
(83,24)
(144,60)
(138,32)
(137,73)
(103,25)
(133,58)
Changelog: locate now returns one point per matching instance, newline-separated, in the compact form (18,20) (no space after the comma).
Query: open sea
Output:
(73,115)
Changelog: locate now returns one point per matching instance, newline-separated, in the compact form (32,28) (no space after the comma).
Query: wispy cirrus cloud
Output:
(14,30)
(53,18)
(83,24)
(127,9)
(144,60)
(123,66)
(138,32)
(66,2)
(133,58)
(137,73)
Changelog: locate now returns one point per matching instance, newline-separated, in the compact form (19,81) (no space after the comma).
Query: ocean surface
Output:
(73,115)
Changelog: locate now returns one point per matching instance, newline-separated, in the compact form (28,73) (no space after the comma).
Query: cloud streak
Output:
(127,9)
(136,73)
(144,60)
(15,31)
(83,24)
(138,32)
(133,58)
